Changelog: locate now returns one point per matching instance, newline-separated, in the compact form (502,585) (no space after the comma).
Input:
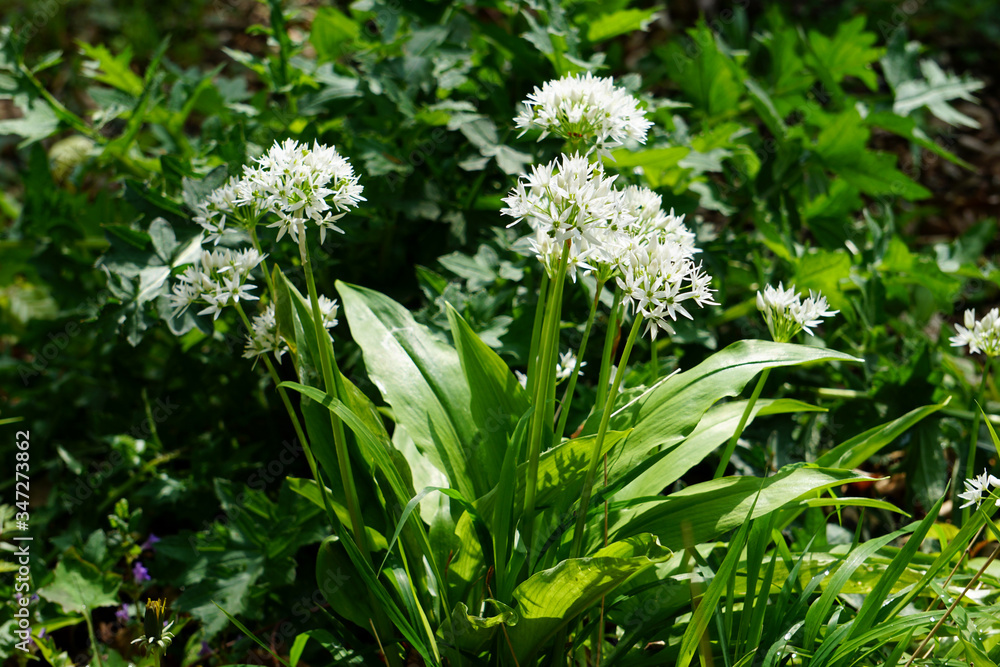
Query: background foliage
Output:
(847,149)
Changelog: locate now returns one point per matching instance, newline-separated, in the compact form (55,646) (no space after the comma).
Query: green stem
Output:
(609,341)
(731,447)
(567,400)
(654,361)
(332,383)
(536,331)
(93,638)
(972,582)
(970,462)
(595,456)
(263,265)
(546,374)
(296,424)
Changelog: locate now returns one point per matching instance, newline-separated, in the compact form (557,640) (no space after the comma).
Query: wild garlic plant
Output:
(298,189)
(524,565)
(581,223)
(980,336)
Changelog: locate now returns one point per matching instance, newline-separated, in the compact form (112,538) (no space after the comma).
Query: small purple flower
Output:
(41,633)
(122,614)
(205,650)
(140,573)
(150,541)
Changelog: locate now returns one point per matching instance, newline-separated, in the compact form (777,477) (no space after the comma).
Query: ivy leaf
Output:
(621,22)
(934,92)
(848,53)
(111,69)
(841,148)
(79,586)
(703,72)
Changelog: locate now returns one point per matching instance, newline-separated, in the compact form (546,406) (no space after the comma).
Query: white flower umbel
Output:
(981,336)
(301,185)
(978,488)
(220,278)
(657,278)
(786,313)
(585,108)
(570,198)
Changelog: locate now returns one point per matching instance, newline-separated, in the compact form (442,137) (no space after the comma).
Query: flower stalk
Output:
(567,400)
(334,387)
(595,456)
(731,446)
(970,461)
(546,379)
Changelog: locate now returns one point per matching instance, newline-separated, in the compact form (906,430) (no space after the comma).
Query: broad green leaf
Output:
(78,586)
(496,398)
(853,452)
(421,378)
(620,22)
(550,599)
(715,428)
(706,510)
(670,411)
(340,583)
(473,633)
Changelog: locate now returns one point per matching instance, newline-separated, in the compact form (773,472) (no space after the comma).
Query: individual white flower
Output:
(657,277)
(786,313)
(300,184)
(522,379)
(977,488)
(567,199)
(565,365)
(263,337)
(219,278)
(585,108)
(982,336)
(328,308)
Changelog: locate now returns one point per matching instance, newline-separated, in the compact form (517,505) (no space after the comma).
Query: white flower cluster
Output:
(301,184)
(566,364)
(221,204)
(787,313)
(978,488)
(296,183)
(585,108)
(982,336)
(622,233)
(220,278)
(264,338)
